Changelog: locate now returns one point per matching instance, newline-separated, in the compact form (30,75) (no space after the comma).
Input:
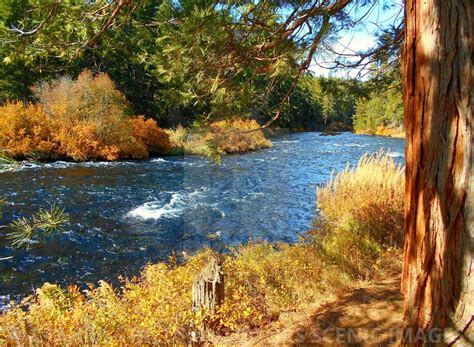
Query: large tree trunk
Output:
(438,277)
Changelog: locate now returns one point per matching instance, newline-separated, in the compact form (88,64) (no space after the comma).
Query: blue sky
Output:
(360,38)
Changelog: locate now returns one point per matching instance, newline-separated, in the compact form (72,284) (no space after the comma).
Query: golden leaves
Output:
(81,119)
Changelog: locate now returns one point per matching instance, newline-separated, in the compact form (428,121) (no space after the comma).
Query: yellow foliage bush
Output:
(26,130)
(178,136)
(239,135)
(225,136)
(398,132)
(267,279)
(262,280)
(89,97)
(81,119)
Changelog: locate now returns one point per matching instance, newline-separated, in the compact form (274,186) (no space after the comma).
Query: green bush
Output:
(381,110)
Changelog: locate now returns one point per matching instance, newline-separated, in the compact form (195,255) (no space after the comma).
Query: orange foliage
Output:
(89,97)
(81,119)
(26,131)
(239,135)
(153,137)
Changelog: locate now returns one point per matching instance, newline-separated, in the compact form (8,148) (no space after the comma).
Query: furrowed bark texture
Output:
(438,276)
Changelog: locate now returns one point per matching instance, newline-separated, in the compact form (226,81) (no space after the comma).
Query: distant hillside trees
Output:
(322,102)
(381,111)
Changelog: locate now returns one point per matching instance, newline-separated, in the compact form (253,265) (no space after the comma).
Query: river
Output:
(126,214)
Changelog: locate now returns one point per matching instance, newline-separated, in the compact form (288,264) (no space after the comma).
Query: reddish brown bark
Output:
(438,276)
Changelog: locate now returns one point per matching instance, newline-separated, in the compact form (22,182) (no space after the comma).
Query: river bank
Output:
(88,118)
(263,279)
(383,131)
(29,132)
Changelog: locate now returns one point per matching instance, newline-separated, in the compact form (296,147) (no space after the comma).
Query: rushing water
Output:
(126,214)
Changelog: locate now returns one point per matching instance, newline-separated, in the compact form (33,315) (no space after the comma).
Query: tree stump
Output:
(207,294)
(208,287)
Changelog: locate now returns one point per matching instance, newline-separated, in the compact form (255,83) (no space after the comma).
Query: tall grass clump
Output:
(361,213)
(82,119)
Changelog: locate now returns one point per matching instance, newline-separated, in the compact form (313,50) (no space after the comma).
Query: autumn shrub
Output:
(262,280)
(397,132)
(267,279)
(361,214)
(26,130)
(81,119)
(226,136)
(239,135)
(154,138)
(89,117)
(88,97)
(177,136)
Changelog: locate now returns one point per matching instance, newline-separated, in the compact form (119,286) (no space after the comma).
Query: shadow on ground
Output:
(367,316)
(370,315)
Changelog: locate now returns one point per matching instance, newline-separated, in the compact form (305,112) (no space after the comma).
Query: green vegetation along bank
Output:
(381,111)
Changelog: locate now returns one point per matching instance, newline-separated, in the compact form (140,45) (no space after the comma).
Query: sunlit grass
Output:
(5,159)
(362,212)
(397,132)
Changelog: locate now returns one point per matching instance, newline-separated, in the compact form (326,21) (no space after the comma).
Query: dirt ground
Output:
(368,316)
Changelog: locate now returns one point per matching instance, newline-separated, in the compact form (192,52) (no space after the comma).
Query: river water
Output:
(126,214)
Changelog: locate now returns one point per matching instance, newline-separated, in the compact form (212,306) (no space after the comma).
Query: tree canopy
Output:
(195,60)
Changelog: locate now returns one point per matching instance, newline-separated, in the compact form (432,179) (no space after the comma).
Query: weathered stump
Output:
(207,294)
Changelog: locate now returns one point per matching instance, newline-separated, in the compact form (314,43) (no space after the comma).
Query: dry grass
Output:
(362,214)
(368,315)
(262,280)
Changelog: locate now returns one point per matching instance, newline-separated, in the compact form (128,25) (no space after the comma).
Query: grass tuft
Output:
(362,213)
